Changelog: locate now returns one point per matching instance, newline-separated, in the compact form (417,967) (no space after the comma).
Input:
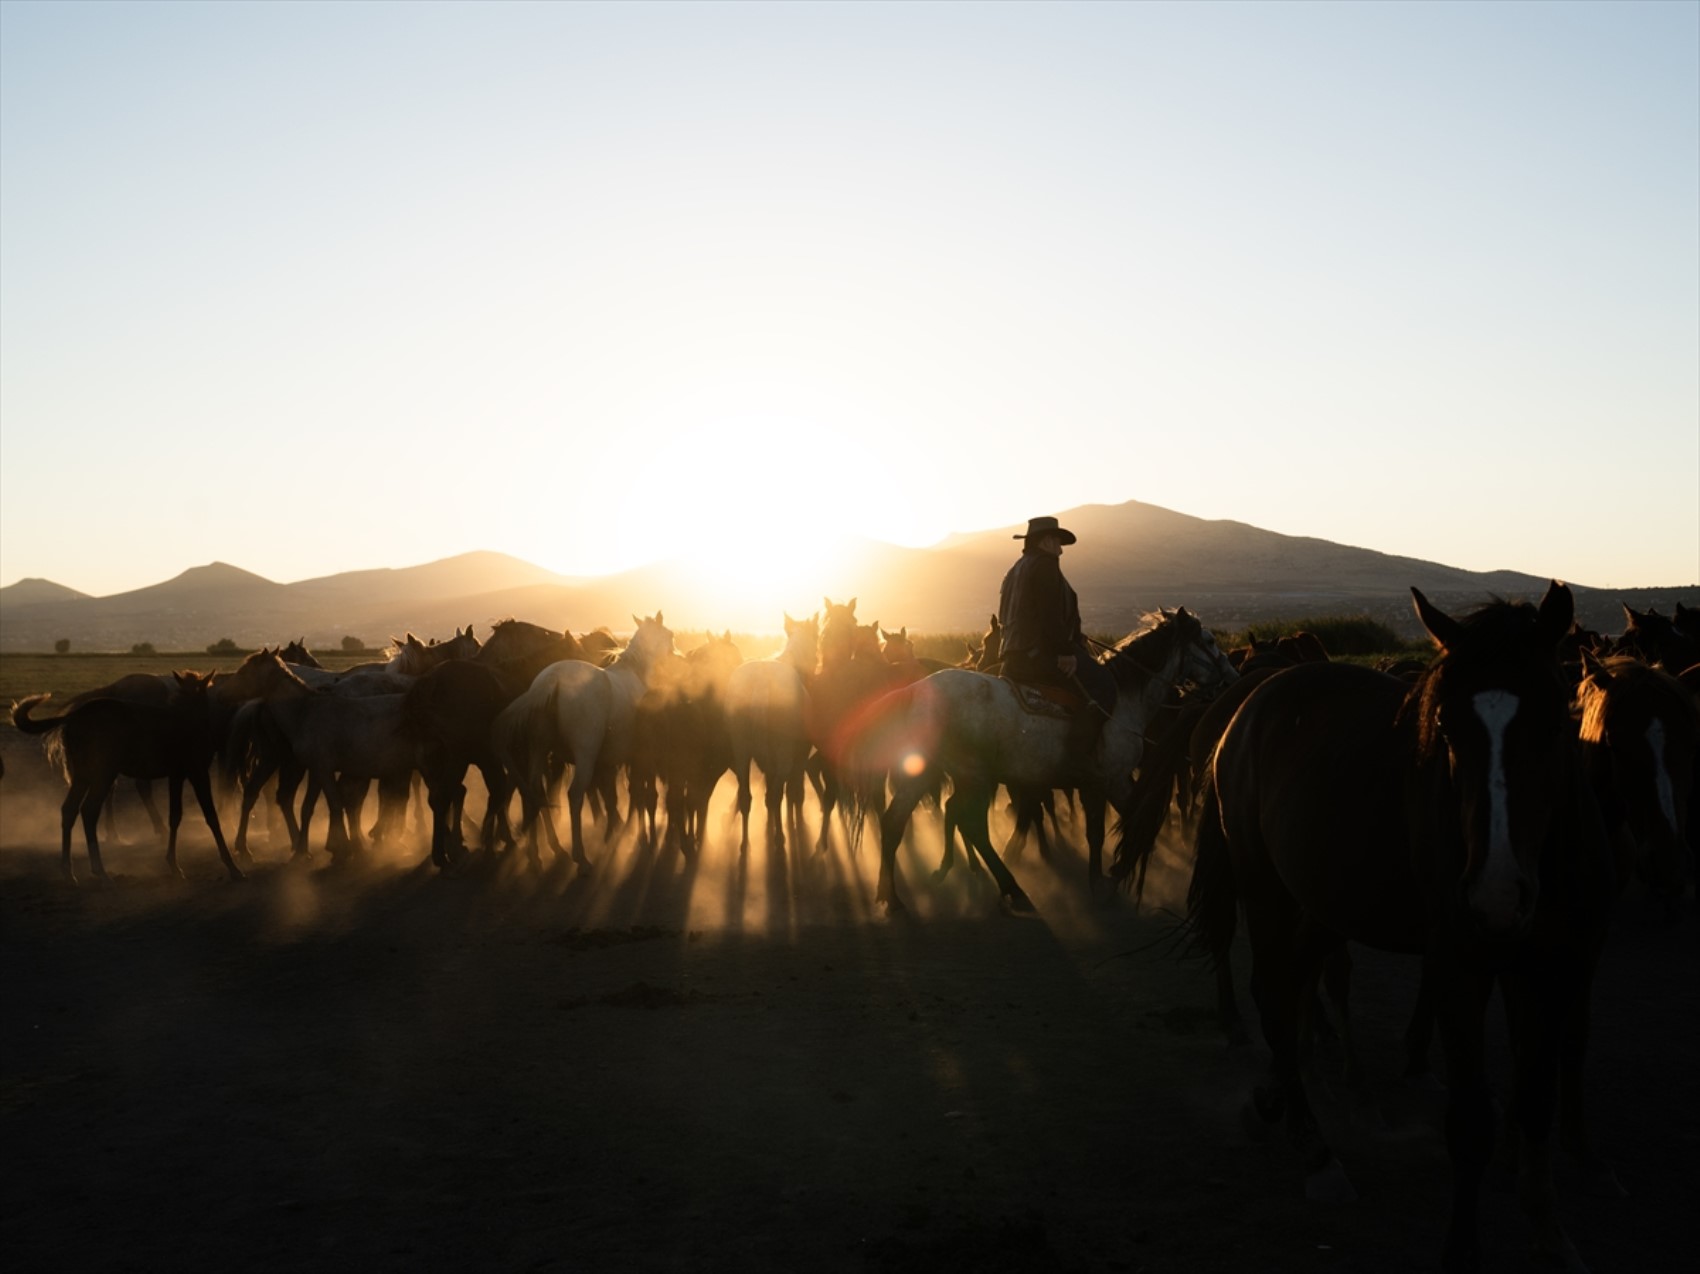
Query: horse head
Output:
(1493,723)
(652,641)
(1640,734)
(802,642)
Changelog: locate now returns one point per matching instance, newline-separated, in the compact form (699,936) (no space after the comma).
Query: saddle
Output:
(1060,702)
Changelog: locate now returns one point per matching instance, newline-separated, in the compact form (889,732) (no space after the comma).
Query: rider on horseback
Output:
(1042,640)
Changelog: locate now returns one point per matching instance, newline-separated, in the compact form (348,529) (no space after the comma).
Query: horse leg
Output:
(575,813)
(774,793)
(252,787)
(1287,958)
(1419,1034)
(1337,981)
(976,802)
(1097,884)
(144,789)
(174,807)
(1461,989)
(441,796)
(68,811)
(289,778)
(606,783)
(948,859)
(1541,1000)
(1212,902)
(893,823)
(95,795)
(741,771)
(829,794)
(209,811)
(1598,1174)
(354,794)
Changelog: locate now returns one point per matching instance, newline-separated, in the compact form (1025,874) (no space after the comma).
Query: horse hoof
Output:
(1018,904)
(237,875)
(1328,1184)
(940,875)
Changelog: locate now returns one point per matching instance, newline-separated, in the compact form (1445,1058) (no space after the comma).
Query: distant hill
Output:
(1131,558)
(27,592)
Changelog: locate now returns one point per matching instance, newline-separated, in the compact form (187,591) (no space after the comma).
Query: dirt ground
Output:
(729,1066)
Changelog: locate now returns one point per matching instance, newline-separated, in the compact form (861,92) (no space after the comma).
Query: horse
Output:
(414,658)
(977,730)
(1448,817)
(854,672)
(1656,639)
(696,744)
(578,713)
(766,717)
(99,739)
(338,741)
(296,652)
(449,714)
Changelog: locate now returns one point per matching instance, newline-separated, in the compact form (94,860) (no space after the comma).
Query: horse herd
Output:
(1481,810)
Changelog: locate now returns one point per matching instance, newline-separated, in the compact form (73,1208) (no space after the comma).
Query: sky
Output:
(312,288)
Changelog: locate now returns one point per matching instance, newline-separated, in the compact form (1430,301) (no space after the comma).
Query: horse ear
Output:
(852,605)
(636,622)
(903,633)
(826,603)
(995,624)
(1442,627)
(1558,608)
(659,620)
(1594,669)
(1629,614)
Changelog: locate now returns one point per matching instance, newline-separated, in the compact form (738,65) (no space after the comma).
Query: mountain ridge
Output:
(1131,559)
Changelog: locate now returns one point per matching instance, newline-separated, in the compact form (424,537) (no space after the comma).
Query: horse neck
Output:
(798,655)
(1153,688)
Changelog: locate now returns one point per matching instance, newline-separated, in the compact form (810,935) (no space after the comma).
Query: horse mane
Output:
(1147,645)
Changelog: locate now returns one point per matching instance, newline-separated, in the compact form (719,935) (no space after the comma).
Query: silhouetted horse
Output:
(1449,818)
(449,714)
(977,730)
(1655,639)
(766,714)
(100,739)
(579,714)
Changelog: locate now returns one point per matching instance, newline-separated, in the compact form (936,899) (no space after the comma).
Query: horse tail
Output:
(22,719)
(1140,825)
(1212,901)
(55,742)
(240,751)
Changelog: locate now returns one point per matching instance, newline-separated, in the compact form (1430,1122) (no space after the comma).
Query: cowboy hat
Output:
(1039,527)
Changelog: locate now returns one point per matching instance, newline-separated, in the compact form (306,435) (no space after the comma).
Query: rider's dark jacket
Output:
(1040,615)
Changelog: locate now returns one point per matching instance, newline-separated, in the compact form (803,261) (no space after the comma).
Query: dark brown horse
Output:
(1448,818)
(100,739)
(449,713)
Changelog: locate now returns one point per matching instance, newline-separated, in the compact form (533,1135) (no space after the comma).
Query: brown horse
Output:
(1449,818)
(100,739)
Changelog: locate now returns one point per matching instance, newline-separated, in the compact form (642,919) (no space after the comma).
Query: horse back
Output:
(1310,778)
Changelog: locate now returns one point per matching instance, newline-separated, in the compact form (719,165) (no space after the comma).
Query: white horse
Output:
(974,728)
(577,713)
(766,715)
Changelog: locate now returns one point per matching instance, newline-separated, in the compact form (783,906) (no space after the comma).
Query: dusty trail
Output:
(651,1067)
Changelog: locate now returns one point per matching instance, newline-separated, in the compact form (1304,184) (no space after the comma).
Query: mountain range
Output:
(1132,558)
